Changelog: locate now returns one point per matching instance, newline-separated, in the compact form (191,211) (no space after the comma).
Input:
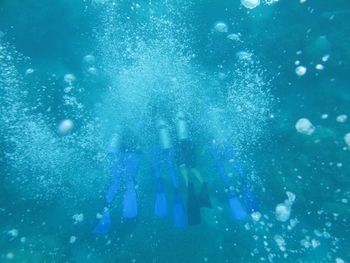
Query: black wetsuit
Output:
(186,153)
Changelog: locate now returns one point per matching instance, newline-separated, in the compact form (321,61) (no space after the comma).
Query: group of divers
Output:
(173,158)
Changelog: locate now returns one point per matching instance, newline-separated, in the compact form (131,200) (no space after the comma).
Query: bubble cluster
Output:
(283,210)
(40,161)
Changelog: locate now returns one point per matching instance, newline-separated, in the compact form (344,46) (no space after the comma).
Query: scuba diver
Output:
(186,160)
(224,157)
(163,156)
(125,165)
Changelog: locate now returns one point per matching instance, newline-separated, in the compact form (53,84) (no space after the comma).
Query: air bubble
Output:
(69,78)
(78,218)
(300,71)
(89,59)
(324,116)
(256,216)
(234,37)
(282,212)
(347,139)
(250,4)
(221,27)
(319,67)
(342,118)
(13,233)
(325,58)
(92,70)
(72,239)
(29,71)
(244,55)
(304,126)
(65,126)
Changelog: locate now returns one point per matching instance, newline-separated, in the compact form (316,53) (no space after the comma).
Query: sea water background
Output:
(175,53)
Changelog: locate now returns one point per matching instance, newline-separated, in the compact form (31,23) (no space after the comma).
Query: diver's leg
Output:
(105,222)
(197,174)
(131,164)
(115,185)
(203,198)
(238,211)
(179,215)
(169,160)
(160,205)
(184,172)
(249,198)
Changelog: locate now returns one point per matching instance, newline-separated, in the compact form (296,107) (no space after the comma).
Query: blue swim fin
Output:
(131,164)
(112,190)
(103,225)
(203,197)
(179,215)
(130,202)
(236,207)
(160,207)
(193,206)
(249,200)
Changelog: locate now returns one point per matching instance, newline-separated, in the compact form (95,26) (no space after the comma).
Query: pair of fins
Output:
(131,164)
(129,211)
(195,203)
(238,209)
(161,206)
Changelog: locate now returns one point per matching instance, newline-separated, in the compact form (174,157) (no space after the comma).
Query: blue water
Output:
(111,110)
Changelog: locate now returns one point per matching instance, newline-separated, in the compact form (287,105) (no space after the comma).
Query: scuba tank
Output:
(181,126)
(164,135)
(115,143)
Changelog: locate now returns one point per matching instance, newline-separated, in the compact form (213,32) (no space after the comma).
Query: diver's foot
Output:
(193,206)
(204,199)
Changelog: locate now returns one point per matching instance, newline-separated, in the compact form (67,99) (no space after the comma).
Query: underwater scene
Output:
(174,131)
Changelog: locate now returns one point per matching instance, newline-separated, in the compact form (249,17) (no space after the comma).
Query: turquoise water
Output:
(271,83)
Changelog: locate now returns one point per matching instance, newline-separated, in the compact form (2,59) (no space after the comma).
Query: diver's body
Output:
(125,165)
(223,154)
(163,155)
(186,160)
